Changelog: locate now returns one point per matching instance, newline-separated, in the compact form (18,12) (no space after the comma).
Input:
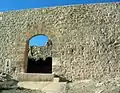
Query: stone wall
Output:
(86,38)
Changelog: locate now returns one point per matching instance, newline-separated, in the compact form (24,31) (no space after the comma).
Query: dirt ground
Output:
(105,85)
(19,90)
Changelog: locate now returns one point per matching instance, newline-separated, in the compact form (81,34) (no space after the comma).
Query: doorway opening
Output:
(40,66)
(37,59)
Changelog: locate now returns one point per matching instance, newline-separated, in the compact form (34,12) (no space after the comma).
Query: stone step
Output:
(47,87)
(35,77)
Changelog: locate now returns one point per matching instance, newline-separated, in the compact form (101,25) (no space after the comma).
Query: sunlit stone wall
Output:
(86,38)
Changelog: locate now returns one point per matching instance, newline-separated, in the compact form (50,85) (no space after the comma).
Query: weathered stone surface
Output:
(39,52)
(47,87)
(9,85)
(111,85)
(20,90)
(6,81)
(85,37)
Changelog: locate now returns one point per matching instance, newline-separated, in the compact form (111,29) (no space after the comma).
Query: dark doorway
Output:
(39,66)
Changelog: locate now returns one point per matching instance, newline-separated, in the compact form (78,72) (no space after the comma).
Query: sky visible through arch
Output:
(39,40)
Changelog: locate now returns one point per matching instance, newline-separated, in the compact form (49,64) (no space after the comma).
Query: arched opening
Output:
(38,40)
(39,59)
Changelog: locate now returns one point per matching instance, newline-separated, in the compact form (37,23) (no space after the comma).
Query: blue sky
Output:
(40,40)
(6,5)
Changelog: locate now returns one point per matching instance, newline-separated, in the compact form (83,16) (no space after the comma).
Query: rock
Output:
(39,52)
(110,85)
(6,81)
(9,85)
(20,90)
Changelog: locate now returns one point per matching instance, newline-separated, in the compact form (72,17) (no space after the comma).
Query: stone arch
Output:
(37,28)
(36,35)
(41,29)
(27,49)
(51,36)
(39,35)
